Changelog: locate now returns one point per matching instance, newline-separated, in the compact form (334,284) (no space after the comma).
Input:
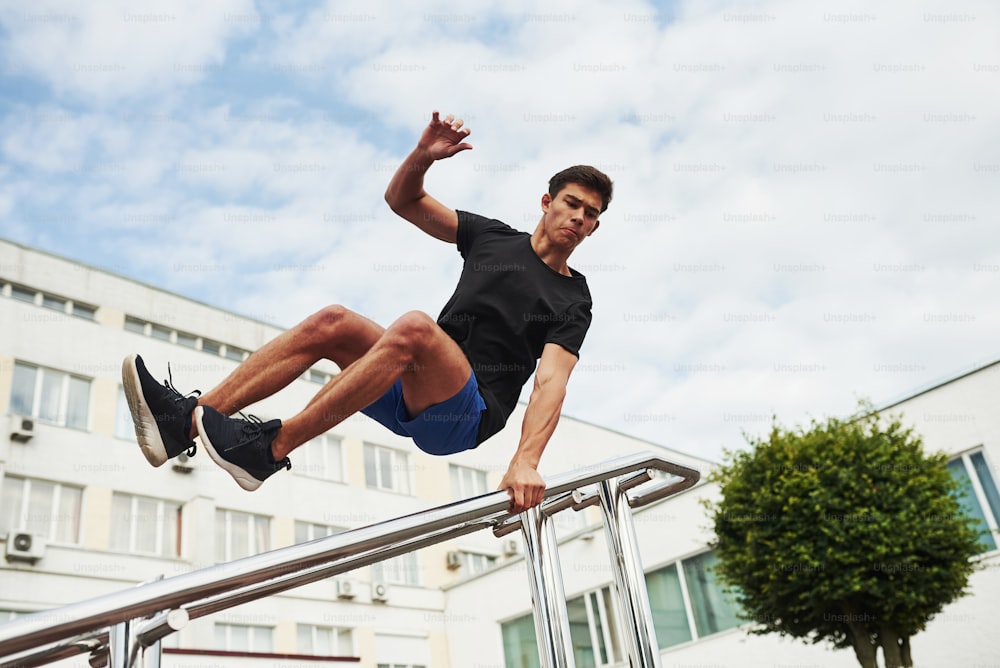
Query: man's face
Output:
(572,215)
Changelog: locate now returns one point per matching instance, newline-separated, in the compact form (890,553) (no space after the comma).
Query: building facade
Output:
(82,514)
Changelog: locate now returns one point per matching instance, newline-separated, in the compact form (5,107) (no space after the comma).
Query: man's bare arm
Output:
(406,195)
(526,486)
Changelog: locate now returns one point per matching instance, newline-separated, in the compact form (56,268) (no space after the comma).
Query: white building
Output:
(105,520)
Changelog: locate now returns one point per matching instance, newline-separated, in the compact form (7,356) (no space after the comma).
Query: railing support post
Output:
(119,645)
(630,582)
(555,648)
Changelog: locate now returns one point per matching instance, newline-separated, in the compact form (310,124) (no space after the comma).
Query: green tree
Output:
(845,532)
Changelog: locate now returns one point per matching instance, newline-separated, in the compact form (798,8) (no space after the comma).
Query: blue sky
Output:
(805,194)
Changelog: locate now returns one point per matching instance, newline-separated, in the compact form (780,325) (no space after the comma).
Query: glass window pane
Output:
(78,403)
(520,646)
(171,533)
(23,389)
(970,503)
(714,610)
(261,639)
(371,473)
(123,418)
(135,325)
(987,483)
(84,311)
(67,525)
(333,459)
(145,522)
(209,346)
(221,536)
(187,340)
(54,303)
(40,511)
(22,294)
(304,639)
(48,403)
(385,469)
(262,535)
(324,641)
(667,604)
(121,522)
(239,638)
(238,535)
(579,633)
(10,504)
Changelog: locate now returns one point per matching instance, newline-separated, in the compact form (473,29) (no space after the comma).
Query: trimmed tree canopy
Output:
(846,532)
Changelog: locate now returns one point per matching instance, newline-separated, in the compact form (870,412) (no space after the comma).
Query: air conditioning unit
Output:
(511,547)
(347,589)
(22,428)
(181,464)
(454,560)
(380,592)
(24,546)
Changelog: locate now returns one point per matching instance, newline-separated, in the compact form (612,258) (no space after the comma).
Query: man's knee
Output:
(415,327)
(327,324)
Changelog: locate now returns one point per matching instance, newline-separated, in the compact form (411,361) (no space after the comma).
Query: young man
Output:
(449,384)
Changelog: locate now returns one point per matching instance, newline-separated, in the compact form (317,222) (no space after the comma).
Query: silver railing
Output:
(124,628)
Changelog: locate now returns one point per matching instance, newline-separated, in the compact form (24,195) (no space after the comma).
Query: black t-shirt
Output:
(508,304)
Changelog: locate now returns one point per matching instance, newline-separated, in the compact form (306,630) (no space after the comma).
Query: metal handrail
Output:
(225,585)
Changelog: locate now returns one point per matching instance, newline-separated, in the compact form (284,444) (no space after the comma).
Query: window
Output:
(474,562)
(593,631)
(979,493)
(84,311)
(49,509)
(240,535)
(160,332)
(685,599)
(520,644)
(400,651)
(187,340)
(210,346)
(124,427)
(319,377)
(325,640)
(50,396)
(403,570)
(305,531)
(387,469)
(54,303)
(135,325)
(666,602)
(143,525)
(321,458)
(22,294)
(714,609)
(243,638)
(237,354)
(467,482)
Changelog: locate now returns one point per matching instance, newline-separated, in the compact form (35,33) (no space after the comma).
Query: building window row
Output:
(685,599)
(47,300)
(170,335)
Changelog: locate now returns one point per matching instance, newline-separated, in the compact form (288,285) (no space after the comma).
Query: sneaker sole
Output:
(240,475)
(147,432)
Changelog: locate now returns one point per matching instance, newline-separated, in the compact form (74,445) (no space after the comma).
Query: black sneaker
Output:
(241,447)
(161,414)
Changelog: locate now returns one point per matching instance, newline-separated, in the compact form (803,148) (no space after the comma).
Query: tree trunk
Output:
(904,650)
(864,649)
(891,649)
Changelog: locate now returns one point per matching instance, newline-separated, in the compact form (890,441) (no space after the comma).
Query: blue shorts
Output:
(442,429)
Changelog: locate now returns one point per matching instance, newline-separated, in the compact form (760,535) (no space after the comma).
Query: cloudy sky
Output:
(805,203)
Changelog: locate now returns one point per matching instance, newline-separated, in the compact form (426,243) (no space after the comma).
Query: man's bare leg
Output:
(334,333)
(414,348)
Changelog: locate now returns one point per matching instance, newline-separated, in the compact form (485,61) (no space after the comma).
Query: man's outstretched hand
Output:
(444,138)
(525,485)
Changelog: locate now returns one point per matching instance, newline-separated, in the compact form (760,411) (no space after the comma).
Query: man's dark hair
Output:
(587,176)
